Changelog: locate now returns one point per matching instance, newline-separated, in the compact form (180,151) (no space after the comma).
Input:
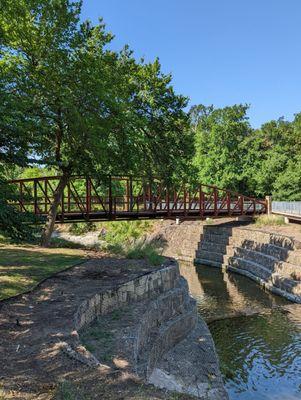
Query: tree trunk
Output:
(50,222)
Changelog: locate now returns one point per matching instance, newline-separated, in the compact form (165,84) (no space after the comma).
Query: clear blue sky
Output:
(219,52)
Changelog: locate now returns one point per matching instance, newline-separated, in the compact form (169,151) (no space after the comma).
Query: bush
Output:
(81,228)
(265,220)
(123,233)
(15,225)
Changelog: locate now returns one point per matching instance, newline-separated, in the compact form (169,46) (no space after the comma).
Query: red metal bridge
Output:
(120,198)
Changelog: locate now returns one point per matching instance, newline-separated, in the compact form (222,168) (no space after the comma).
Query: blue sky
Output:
(219,52)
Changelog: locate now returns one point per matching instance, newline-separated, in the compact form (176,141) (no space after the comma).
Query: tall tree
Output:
(83,108)
(272,161)
(219,135)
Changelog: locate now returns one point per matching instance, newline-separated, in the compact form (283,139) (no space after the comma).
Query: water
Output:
(257,334)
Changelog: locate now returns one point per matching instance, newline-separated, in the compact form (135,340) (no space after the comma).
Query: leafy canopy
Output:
(75,104)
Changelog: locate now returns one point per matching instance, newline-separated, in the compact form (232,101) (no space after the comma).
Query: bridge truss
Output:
(120,198)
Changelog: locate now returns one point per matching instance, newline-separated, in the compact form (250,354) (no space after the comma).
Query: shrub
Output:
(81,228)
(123,233)
(15,225)
(265,220)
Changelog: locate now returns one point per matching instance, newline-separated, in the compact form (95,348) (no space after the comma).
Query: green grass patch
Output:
(22,268)
(269,220)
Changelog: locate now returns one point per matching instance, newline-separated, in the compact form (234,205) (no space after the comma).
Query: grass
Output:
(22,268)
(125,232)
(146,252)
(122,238)
(269,220)
(67,391)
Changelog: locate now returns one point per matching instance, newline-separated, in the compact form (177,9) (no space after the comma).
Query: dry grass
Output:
(269,220)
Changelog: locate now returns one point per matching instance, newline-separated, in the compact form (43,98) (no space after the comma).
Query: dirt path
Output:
(32,325)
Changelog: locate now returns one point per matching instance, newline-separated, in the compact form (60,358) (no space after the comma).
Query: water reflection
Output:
(257,335)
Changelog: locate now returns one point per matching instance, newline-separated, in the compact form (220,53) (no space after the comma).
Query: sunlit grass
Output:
(269,220)
(22,268)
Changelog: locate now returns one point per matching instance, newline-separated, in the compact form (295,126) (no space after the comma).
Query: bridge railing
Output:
(127,197)
(287,207)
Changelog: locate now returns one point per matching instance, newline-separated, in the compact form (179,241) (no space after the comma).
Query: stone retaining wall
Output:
(165,315)
(272,260)
(147,286)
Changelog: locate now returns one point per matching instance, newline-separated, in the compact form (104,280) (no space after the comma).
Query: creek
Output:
(256,333)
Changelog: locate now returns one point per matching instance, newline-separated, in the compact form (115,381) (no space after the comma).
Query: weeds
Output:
(124,232)
(272,220)
(66,391)
(81,228)
(147,252)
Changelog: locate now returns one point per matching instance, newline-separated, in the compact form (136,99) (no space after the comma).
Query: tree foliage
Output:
(260,162)
(73,104)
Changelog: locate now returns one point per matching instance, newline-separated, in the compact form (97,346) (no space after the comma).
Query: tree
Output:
(272,159)
(219,135)
(83,108)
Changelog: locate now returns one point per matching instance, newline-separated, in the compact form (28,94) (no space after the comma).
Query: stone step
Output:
(218,230)
(216,238)
(288,285)
(250,266)
(288,270)
(265,260)
(210,255)
(210,263)
(269,249)
(209,246)
(240,235)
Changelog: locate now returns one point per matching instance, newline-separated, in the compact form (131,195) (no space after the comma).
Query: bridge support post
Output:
(268,200)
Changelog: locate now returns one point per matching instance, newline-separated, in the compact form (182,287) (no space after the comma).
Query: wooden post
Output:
(229,202)
(268,200)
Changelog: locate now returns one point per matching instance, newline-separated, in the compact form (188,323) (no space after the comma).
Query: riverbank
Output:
(47,338)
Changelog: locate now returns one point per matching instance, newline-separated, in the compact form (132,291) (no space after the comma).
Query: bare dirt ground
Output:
(291,229)
(33,367)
